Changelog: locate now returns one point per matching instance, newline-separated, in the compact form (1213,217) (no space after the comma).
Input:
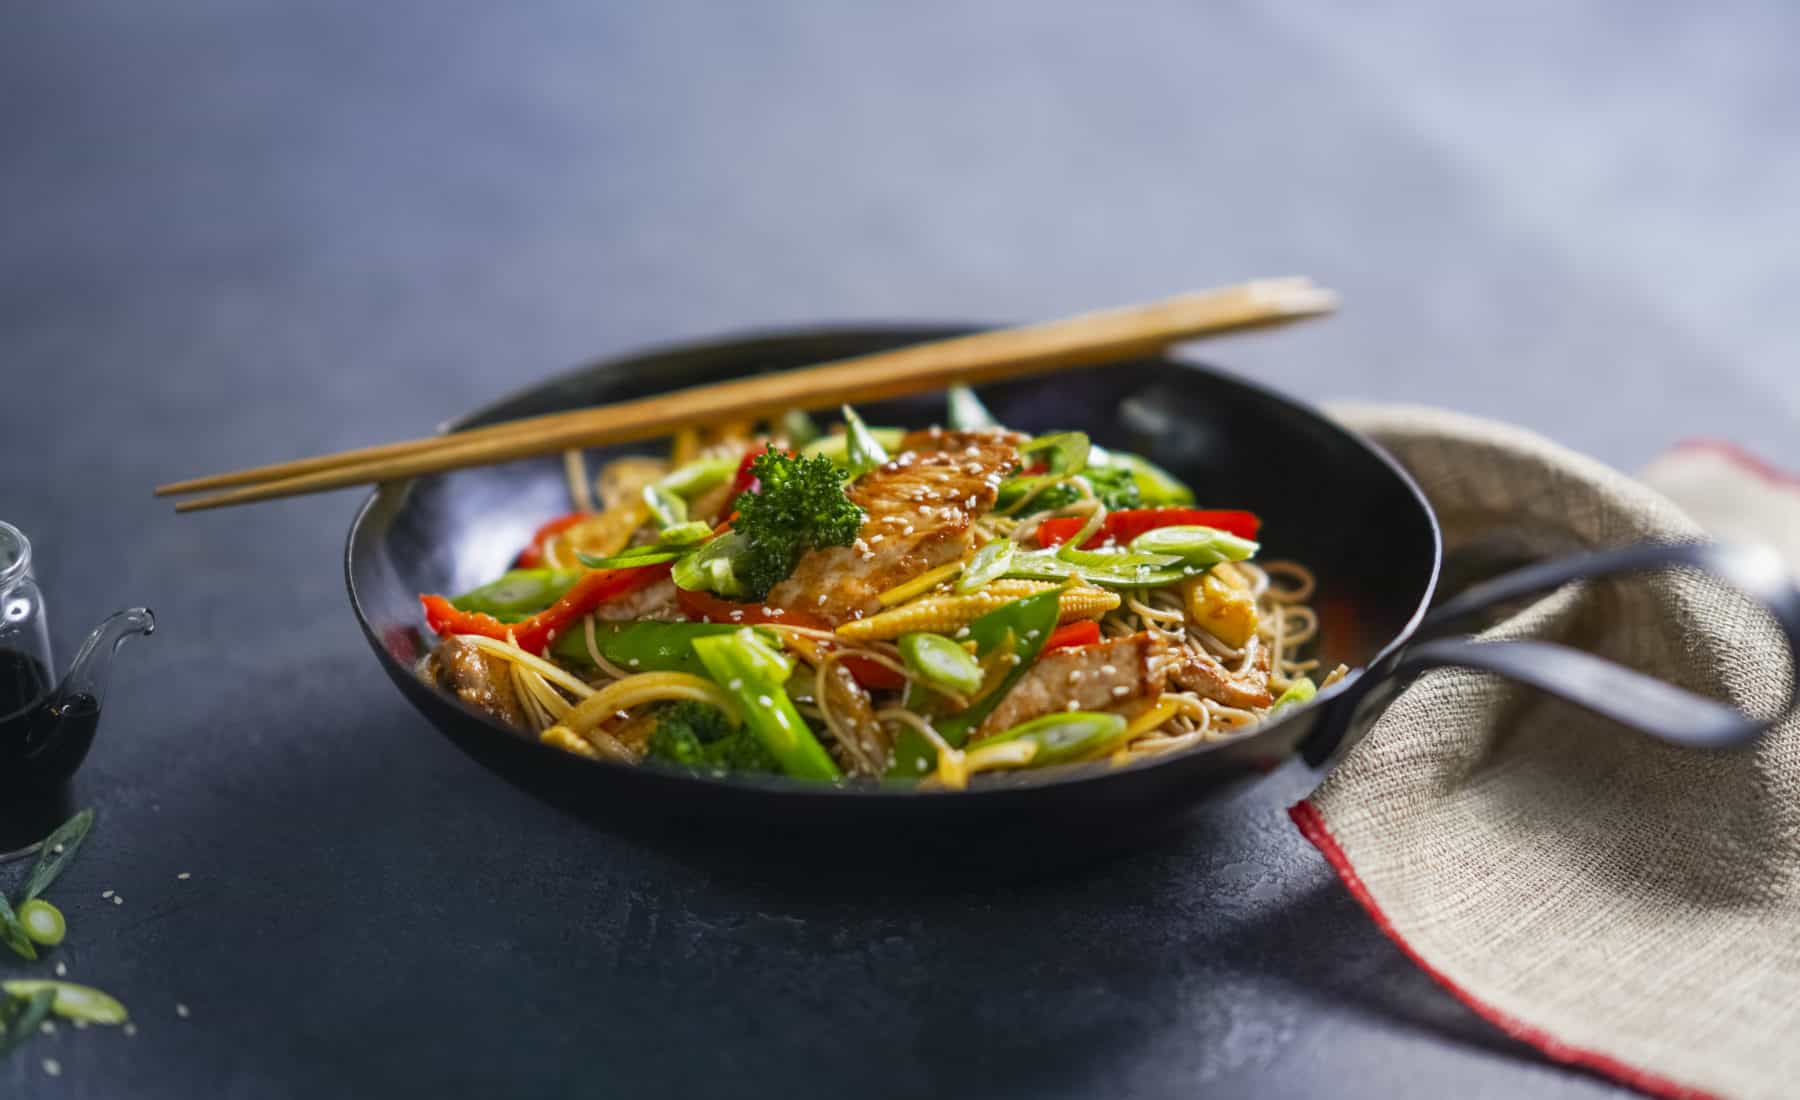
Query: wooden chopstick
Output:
(993,356)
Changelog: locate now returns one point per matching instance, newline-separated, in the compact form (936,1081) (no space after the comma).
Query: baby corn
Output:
(944,614)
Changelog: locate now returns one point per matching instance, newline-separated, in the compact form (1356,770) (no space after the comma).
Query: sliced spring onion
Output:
(836,446)
(12,933)
(698,476)
(1298,693)
(1064,453)
(666,508)
(58,849)
(654,555)
(989,564)
(713,567)
(71,1001)
(940,662)
(43,922)
(1195,545)
(692,533)
(967,413)
(1113,560)
(864,451)
(799,428)
(20,1017)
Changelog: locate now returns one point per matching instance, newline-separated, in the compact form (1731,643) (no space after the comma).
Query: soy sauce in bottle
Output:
(46,728)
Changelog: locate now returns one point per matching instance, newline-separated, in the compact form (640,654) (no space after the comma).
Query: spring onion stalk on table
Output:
(25,1003)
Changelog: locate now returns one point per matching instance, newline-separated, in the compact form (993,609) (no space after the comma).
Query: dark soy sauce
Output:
(43,736)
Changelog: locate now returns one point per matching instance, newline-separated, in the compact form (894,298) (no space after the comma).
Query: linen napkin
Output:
(1618,903)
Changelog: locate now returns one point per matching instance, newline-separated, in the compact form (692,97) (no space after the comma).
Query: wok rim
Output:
(1062,778)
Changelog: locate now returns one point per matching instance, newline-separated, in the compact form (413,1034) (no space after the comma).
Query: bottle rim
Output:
(15,553)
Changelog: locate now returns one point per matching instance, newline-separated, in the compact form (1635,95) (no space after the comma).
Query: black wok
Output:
(1328,498)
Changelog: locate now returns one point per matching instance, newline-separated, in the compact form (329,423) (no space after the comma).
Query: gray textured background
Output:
(236,231)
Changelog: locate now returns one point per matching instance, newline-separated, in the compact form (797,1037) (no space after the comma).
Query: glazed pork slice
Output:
(920,505)
(1117,675)
(476,678)
(1204,674)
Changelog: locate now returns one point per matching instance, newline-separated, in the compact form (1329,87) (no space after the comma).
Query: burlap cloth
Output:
(1616,902)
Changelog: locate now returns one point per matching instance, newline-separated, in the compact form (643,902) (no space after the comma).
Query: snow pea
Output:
(519,592)
(754,672)
(644,646)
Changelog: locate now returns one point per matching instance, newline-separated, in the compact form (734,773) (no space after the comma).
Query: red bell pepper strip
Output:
(709,608)
(1123,526)
(537,632)
(743,482)
(533,555)
(1073,635)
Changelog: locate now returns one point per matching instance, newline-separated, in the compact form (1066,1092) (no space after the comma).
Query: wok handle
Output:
(1642,702)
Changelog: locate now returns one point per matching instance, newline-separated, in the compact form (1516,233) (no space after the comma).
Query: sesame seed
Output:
(1073,705)
(62,969)
(907,530)
(106,893)
(634,662)
(52,1068)
(737,616)
(117,900)
(181,1010)
(876,539)
(48,1027)
(821,599)
(130,1029)
(1031,633)
(1074,676)
(962,632)
(1121,691)
(184,876)
(57,848)
(765,700)
(736,683)
(1108,669)
(777,612)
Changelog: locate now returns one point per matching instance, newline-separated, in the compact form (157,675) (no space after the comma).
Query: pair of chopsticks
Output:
(1084,340)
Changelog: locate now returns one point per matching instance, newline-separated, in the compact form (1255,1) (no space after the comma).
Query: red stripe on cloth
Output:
(1740,457)
(1312,827)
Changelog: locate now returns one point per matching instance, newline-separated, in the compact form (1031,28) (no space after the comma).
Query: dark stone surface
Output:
(236,232)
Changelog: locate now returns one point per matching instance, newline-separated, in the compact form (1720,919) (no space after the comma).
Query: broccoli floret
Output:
(800,506)
(1114,485)
(699,737)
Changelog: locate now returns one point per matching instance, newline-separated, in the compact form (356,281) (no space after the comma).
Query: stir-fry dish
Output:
(903,606)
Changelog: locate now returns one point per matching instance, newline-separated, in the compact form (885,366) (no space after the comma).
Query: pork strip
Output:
(477,679)
(1121,674)
(920,507)
(1200,672)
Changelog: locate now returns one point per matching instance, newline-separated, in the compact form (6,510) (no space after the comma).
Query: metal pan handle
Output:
(1642,702)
